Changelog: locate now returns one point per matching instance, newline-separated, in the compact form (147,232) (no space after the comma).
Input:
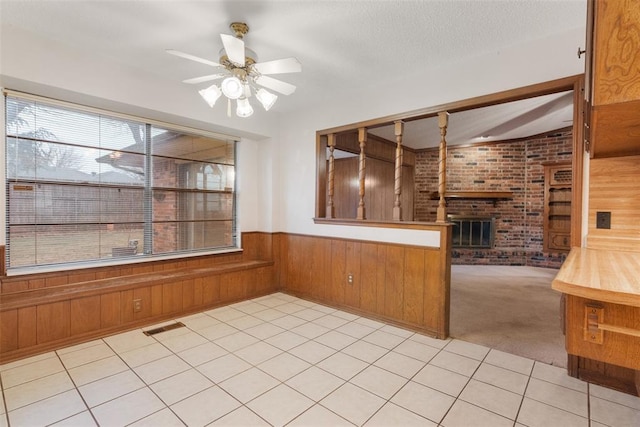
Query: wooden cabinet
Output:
(613,68)
(557,207)
(602,313)
(606,267)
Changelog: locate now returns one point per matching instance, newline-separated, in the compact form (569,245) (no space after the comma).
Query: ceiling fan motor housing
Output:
(240,29)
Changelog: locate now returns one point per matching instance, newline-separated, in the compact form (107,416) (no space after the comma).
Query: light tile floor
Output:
(280,360)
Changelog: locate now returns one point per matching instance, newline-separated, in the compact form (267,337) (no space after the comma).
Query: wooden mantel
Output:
(493,196)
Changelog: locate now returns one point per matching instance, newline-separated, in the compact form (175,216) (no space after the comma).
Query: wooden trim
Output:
(144,264)
(577,162)
(321,175)
(446,244)
(490,195)
(372,137)
(441,210)
(589,53)
(3,264)
(17,300)
(330,211)
(362,173)
(531,91)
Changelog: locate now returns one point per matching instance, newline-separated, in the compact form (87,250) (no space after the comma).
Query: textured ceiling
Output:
(339,43)
(495,123)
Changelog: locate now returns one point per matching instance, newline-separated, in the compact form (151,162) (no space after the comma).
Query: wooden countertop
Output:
(603,275)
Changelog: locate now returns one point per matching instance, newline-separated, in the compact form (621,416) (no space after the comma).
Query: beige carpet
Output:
(512,309)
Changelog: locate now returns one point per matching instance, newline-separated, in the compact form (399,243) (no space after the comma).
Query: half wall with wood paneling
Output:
(40,312)
(402,284)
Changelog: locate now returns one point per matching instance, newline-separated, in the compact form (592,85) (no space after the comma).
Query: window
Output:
(86,186)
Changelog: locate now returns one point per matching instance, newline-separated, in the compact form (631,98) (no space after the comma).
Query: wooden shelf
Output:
(557,207)
(493,196)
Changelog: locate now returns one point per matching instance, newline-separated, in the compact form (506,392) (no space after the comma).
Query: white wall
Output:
(43,67)
(276,182)
(536,62)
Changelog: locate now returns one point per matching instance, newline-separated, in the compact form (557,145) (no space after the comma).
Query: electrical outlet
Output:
(603,220)
(137,305)
(350,279)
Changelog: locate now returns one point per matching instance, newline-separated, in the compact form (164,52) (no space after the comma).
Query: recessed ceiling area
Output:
(501,122)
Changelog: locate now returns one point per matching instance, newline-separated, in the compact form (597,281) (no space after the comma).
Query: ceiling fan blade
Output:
(203,79)
(277,85)
(192,58)
(279,66)
(234,48)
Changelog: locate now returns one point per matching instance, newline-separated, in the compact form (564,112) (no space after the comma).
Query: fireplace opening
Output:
(472,232)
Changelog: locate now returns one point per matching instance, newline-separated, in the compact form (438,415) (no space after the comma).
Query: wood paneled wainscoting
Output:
(45,311)
(403,284)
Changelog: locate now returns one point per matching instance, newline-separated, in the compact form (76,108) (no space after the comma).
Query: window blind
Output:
(86,186)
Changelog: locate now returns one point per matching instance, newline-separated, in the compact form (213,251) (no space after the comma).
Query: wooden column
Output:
(397,204)
(362,139)
(331,143)
(443,122)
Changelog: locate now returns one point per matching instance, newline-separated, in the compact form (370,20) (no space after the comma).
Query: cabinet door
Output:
(557,208)
(616,68)
(559,241)
(614,123)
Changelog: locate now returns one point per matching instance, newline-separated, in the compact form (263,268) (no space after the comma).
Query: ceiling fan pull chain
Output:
(228,107)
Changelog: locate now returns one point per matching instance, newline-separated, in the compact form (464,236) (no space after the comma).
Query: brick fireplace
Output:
(510,166)
(472,232)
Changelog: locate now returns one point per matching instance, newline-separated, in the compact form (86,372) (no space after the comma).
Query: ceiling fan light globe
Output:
(232,87)
(266,98)
(244,108)
(211,94)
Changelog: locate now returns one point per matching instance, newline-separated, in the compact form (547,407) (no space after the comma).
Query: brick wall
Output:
(165,206)
(515,166)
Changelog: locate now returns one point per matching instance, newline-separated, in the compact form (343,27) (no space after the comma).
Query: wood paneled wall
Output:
(402,284)
(376,148)
(614,187)
(407,285)
(379,189)
(52,320)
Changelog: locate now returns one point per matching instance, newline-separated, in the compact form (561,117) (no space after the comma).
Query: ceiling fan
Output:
(243,75)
